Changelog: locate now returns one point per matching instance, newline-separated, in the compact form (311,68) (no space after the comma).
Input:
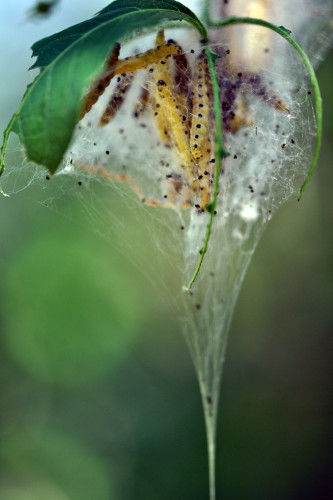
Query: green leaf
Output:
(69,63)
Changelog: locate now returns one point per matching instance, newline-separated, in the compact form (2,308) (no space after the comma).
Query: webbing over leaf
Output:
(69,62)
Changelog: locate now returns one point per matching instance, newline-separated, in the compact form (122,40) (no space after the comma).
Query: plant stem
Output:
(210,413)
(211,447)
(220,153)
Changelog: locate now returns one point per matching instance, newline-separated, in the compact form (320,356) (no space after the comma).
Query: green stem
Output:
(206,13)
(210,422)
(209,398)
(210,414)
(220,153)
(5,141)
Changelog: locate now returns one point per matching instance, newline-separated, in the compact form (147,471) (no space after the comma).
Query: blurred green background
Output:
(98,395)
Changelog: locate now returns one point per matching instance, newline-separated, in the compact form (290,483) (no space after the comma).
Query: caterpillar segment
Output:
(123,86)
(179,100)
(99,86)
